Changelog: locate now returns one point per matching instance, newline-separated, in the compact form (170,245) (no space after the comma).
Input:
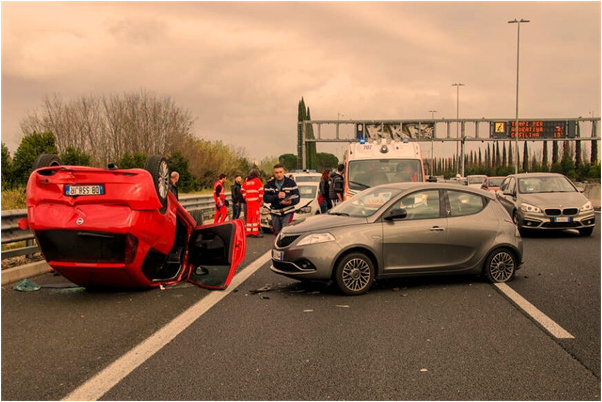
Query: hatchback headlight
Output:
(316,238)
(529,208)
(305,210)
(587,207)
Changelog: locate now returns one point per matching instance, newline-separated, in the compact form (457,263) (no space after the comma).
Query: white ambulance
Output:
(371,164)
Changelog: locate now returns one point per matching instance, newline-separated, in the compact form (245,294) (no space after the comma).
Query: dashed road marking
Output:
(556,330)
(101,383)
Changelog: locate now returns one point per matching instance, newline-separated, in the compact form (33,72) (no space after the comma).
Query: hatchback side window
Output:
(420,205)
(461,203)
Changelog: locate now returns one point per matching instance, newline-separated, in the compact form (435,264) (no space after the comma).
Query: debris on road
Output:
(26,286)
(266,288)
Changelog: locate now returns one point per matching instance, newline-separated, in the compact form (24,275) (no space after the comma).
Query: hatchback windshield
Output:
(365,203)
(373,172)
(544,184)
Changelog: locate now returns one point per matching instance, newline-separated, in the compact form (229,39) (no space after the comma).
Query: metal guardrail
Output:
(12,234)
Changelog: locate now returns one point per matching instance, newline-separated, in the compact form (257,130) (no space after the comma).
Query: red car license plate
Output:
(97,189)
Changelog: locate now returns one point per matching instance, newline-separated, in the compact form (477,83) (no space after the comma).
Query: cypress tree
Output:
(480,158)
(498,160)
(504,156)
(510,155)
(544,161)
(525,158)
(312,157)
(578,159)
(594,153)
(555,152)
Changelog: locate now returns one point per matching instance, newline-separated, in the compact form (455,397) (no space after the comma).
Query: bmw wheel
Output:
(354,274)
(156,165)
(500,266)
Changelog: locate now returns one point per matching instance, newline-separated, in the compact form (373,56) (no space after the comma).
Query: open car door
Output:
(214,253)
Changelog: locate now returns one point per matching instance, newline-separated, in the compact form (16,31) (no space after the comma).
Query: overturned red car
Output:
(124,228)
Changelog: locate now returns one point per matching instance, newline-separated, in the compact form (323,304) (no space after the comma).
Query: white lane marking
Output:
(545,321)
(101,383)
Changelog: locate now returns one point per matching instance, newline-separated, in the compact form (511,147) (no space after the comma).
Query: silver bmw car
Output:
(402,229)
(546,201)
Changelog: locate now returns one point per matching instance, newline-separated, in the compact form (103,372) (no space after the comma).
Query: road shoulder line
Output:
(546,322)
(101,383)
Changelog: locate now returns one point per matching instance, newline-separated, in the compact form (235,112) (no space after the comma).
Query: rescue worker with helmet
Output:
(252,192)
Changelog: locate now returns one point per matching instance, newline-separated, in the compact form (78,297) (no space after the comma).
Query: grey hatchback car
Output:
(547,201)
(402,229)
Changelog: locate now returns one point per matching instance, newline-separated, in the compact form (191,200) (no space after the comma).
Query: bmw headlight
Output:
(316,238)
(305,210)
(529,208)
(587,207)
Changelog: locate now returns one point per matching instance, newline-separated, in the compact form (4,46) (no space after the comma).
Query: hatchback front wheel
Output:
(500,266)
(355,274)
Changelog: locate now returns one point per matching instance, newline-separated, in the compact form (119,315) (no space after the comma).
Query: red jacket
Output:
(219,196)
(252,190)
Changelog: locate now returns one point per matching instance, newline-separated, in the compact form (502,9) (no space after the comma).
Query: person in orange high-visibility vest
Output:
(252,192)
(219,197)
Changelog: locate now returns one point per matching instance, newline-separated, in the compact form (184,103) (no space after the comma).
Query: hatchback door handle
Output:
(437,229)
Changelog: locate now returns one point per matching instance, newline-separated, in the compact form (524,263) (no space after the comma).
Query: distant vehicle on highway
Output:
(402,229)
(374,163)
(546,201)
(124,228)
(475,180)
(492,183)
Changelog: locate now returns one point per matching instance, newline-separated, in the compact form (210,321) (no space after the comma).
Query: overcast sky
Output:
(241,68)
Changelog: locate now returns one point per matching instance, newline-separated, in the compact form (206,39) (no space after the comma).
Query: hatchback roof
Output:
(432,186)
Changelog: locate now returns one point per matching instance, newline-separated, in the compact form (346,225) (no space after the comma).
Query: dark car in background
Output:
(401,229)
(546,201)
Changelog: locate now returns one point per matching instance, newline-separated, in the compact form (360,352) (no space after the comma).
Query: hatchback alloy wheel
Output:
(500,266)
(355,274)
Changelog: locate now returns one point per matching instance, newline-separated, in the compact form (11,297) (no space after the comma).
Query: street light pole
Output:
(457,85)
(432,112)
(517,22)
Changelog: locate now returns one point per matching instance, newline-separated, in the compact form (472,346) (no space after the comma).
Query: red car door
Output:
(214,253)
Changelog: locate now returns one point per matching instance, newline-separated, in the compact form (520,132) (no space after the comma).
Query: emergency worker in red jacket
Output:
(252,192)
(219,197)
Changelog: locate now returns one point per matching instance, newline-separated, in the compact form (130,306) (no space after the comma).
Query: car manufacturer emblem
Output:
(79,221)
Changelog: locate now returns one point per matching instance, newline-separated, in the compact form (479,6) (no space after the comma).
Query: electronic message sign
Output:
(534,129)
(396,131)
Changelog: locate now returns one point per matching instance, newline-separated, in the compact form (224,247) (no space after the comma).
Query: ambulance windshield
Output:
(373,172)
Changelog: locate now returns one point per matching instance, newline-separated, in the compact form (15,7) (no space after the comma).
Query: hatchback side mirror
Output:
(395,214)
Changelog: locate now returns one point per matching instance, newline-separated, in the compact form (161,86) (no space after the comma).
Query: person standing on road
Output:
(237,198)
(219,197)
(324,192)
(337,185)
(252,192)
(282,194)
(173,180)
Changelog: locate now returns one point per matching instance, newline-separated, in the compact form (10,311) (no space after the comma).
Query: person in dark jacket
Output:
(237,198)
(173,180)
(337,184)
(282,194)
